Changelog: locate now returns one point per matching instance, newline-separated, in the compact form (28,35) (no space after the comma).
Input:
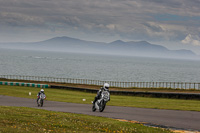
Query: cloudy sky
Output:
(174,24)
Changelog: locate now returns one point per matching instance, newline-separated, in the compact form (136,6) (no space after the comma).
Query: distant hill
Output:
(131,48)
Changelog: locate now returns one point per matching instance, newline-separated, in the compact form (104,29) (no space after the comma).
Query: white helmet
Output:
(42,90)
(106,86)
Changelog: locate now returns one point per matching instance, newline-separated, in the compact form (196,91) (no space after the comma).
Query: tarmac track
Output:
(184,120)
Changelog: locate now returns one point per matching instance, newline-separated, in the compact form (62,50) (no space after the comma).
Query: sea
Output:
(98,67)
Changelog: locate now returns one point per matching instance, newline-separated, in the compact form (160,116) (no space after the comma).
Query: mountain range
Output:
(118,47)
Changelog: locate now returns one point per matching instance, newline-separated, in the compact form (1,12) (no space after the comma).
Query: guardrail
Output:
(172,85)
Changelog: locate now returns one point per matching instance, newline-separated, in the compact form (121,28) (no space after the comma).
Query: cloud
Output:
(111,26)
(20,20)
(148,20)
(192,40)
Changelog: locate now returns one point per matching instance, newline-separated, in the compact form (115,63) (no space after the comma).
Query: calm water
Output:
(98,67)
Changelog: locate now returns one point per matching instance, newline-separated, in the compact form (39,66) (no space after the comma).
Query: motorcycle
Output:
(41,100)
(101,103)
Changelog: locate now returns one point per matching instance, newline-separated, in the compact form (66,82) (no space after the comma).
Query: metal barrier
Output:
(172,85)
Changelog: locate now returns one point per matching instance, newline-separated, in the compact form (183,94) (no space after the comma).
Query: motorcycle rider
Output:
(98,96)
(39,93)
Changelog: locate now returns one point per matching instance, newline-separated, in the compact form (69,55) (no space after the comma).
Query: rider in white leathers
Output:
(38,95)
(105,87)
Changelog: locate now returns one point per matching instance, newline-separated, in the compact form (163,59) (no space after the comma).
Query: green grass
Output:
(22,119)
(116,100)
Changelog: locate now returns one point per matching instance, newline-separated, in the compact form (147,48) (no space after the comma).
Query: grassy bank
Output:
(21,119)
(77,97)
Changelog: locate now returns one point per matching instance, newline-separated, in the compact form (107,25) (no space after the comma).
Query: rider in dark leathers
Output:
(98,96)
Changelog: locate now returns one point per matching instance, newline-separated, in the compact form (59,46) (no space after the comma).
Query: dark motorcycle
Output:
(101,103)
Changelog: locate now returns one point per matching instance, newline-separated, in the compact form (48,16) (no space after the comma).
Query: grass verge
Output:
(116,100)
(22,119)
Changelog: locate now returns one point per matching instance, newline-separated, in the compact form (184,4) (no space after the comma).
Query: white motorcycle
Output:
(41,100)
(101,103)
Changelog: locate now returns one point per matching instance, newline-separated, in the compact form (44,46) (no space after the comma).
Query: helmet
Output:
(42,90)
(106,86)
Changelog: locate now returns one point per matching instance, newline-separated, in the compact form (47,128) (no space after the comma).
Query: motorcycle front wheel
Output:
(93,108)
(38,103)
(41,103)
(102,106)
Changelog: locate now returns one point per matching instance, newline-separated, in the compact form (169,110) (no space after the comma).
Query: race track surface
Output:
(187,120)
